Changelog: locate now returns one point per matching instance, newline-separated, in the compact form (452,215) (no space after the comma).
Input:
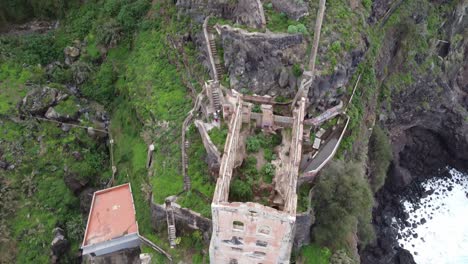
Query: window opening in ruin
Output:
(258,254)
(238,225)
(261,243)
(233,261)
(253,213)
(264,230)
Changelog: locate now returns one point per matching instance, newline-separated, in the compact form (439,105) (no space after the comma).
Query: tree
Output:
(342,198)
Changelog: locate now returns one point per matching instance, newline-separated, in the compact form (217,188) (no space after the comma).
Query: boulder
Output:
(71,54)
(39,99)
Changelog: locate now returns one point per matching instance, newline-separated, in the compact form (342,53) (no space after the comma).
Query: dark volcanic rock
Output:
(59,245)
(403,256)
(427,125)
(256,61)
(86,197)
(75,182)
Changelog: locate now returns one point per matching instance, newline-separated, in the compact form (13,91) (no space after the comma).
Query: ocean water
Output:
(439,222)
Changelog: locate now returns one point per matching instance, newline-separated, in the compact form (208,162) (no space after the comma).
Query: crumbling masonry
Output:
(251,232)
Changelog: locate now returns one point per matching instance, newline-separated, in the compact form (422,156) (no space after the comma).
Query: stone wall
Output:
(186,220)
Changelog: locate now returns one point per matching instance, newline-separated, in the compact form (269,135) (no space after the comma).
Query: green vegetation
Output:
(199,199)
(380,156)
(42,201)
(299,28)
(279,22)
(342,200)
(255,142)
(218,136)
(17,11)
(314,254)
(303,200)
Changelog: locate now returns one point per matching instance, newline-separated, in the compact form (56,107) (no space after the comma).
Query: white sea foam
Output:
(443,238)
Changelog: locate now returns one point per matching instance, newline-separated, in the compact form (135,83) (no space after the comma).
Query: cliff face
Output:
(427,119)
(262,62)
(426,112)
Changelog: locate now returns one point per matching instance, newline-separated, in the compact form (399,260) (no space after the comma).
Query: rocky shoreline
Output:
(390,216)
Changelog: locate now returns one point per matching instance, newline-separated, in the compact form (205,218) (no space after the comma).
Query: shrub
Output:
(109,34)
(335,46)
(253,144)
(240,191)
(301,28)
(380,156)
(292,29)
(268,171)
(297,70)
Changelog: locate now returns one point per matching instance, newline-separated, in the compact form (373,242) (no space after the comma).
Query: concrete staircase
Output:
(219,67)
(171,228)
(187,181)
(215,62)
(216,99)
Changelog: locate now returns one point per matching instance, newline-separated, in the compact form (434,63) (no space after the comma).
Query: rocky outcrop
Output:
(262,62)
(246,12)
(250,13)
(293,9)
(59,245)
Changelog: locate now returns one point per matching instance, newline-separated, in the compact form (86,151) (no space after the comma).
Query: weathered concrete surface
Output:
(256,61)
(264,234)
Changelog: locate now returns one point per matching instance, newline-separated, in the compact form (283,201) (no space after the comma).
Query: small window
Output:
(264,230)
(261,243)
(253,213)
(238,226)
(233,261)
